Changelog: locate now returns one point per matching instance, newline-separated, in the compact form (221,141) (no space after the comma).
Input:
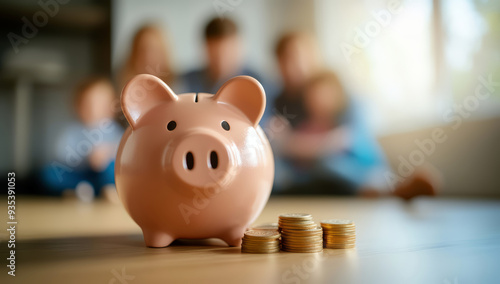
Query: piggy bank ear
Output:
(246,94)
(141,94)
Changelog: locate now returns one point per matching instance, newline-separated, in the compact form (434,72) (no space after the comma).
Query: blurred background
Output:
(417,66)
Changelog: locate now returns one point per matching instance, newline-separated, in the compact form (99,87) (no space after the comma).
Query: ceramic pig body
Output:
(193,165)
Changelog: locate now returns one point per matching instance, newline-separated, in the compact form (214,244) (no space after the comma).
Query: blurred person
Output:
(332,150)
(87,148)
(149,54)
(298,59)
(224,55)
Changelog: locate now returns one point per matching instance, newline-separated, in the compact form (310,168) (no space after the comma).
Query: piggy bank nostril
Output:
(189,161)
(214,160)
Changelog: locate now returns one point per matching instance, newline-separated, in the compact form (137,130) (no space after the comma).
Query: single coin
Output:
(304,231)
(265,251)
(304,250)
(294,221)
(302,245)
(337,222)
(301,216)
(338,231)
(339,246)
(262,234)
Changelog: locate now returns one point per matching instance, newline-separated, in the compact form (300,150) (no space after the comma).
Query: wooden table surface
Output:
(426,241)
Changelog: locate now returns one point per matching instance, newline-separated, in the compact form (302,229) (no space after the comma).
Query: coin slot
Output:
(189,161)
(214,160)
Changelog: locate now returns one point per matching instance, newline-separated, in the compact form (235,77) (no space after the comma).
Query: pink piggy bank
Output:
(193,165)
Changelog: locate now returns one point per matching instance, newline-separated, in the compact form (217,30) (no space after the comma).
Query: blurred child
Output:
(87,148)
(332,151)
(298,59)
(150,54)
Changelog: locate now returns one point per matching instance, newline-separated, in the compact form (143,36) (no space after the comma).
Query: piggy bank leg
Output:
(156,239)
(233,237)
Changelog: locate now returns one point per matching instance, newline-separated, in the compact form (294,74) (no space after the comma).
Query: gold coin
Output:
(302,244)
(304,250)
(304,228)
(247,242)
(260,246)
(302,247)
(259,240)
(266,251)
(301,223)
(262,234)
(337,222)
(308,224)
(340,237)
(339,246)
(299,238)
(339,233)
(301,232)
(333,227)
(336,229)
(295,221)
(340,243)
(304,237)
(307,241)
(295,216)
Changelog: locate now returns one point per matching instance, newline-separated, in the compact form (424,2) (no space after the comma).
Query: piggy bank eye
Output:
(225,125)
(171,125)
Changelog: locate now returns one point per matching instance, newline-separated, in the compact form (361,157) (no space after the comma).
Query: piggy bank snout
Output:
(202,158)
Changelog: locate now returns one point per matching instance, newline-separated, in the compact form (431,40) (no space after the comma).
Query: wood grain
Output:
(426,241)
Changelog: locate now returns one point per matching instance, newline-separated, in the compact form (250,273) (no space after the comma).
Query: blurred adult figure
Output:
(298,59)
(333,151)
(224,55)
(150,54)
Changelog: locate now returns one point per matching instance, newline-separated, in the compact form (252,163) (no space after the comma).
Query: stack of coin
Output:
(339,234)
(299,233)
(261,241)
